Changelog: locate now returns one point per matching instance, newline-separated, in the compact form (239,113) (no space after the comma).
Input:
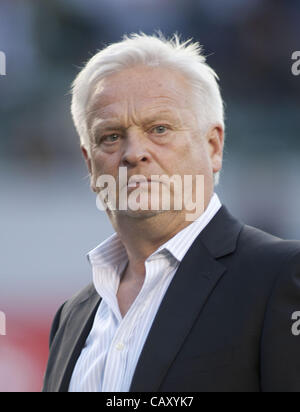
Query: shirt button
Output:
(119,346)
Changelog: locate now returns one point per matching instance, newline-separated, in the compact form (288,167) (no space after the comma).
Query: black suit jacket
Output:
(224,325)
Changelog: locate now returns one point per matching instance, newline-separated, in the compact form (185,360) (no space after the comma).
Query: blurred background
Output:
(49,219)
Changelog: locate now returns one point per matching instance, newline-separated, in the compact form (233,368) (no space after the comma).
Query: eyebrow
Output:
(163,114)
(104,125)
(114,124)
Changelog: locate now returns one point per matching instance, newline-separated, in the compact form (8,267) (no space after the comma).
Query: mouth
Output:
(137,183)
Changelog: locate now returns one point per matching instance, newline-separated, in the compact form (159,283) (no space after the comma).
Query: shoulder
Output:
(255,256)
(254,241)
(83,295)
(266,257)
(228,238)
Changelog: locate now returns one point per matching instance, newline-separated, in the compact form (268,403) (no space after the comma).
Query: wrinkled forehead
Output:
(139,87)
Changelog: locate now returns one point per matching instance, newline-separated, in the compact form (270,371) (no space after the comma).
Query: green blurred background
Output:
(49,219)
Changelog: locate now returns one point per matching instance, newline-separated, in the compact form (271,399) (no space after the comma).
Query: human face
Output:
(144,119)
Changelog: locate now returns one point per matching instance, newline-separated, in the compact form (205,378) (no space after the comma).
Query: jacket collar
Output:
(221,234)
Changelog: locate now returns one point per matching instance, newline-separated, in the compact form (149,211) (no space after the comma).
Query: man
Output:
(175,305)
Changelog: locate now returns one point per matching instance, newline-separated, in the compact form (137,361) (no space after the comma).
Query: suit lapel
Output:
(195,279)
(70,341)
(180,307)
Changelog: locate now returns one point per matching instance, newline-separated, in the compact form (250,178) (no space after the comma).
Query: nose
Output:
(135,150)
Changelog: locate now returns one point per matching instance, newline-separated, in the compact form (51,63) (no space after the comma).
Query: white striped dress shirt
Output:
(109,358)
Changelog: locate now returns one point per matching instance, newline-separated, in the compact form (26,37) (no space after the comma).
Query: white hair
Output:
(136,49)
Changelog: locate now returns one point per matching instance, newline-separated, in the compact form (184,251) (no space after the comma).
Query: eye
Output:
(112,138)
(160,129)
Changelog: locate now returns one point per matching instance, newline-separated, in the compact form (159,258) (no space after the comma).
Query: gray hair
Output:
(155,50)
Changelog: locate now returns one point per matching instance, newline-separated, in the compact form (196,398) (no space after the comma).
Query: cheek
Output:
(189,149)
(193,156)
(105,164)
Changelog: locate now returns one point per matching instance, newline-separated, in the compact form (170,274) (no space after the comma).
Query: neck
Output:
(142,235)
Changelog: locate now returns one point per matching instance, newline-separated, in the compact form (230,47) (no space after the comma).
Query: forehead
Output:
(139,89)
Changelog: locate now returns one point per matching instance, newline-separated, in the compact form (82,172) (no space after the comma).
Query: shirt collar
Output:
(112,252)
(182,241)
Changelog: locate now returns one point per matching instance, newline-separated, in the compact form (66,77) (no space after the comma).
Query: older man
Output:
(207,304)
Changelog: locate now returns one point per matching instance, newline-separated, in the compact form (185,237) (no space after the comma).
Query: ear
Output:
(215,141)
(88,162)
(86,158)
